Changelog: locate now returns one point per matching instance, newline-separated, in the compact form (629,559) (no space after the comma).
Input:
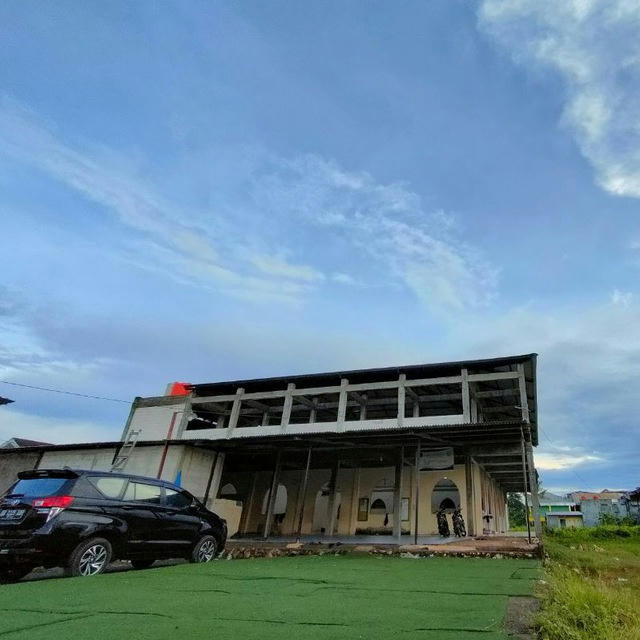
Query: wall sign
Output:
(436,459)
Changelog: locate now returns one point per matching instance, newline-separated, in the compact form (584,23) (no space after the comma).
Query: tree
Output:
(515,504)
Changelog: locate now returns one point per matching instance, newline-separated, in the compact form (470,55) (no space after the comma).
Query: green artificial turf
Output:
(296,598)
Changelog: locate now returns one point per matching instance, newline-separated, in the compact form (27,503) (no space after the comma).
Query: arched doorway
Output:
(445,495)
(321,516)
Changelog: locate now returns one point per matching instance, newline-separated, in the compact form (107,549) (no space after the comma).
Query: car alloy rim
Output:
(207,551)
(93,560)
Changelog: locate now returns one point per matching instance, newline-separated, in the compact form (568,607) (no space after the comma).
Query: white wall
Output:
(155,421)
(99,459)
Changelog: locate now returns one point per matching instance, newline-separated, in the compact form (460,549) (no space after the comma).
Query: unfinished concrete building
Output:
(351,454)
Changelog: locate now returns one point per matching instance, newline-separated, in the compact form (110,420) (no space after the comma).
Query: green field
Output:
(302,597)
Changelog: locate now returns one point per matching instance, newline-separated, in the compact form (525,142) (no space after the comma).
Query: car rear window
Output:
(142,492)
(108,487)
(38,487)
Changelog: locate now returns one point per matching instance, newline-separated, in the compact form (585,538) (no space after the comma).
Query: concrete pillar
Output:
(397,497)
(533,484)
(332,498)
(470,493)
(272,495)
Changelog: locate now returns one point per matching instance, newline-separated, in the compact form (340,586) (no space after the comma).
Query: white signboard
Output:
(436,459)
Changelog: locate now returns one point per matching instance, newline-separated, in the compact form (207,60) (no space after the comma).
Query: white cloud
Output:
(344,278)
(344,219)
(560,462)
(385,226)
(595,47)
(279,266)
(621,298)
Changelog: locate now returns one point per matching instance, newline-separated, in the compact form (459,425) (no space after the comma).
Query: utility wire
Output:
(68,393)
(575,473)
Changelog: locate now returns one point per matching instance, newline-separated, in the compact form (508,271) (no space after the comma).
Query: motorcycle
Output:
(459,528)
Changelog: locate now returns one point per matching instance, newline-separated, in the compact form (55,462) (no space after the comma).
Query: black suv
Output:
(81,520)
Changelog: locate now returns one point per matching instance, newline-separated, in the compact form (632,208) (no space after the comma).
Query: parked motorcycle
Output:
(459,528)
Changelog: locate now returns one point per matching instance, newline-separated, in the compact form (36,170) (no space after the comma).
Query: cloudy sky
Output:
(203,191)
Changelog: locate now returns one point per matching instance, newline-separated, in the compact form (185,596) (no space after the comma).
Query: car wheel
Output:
(205,549)
(89,558)
(142,563)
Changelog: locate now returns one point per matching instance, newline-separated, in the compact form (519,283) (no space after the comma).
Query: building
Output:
(564,519)
(351,453)
(554,509)
(596,505)
(631,502)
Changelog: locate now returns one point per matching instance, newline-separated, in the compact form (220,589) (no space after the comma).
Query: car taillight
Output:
(52,505)
(60,502)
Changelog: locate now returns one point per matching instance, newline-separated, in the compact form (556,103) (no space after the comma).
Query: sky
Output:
(211,191)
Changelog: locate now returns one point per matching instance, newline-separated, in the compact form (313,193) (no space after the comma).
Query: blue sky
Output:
(204,191)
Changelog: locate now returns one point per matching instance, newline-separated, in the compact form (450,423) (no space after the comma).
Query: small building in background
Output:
(631,503)
(564,520)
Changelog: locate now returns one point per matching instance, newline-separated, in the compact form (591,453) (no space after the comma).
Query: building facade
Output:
(352,453)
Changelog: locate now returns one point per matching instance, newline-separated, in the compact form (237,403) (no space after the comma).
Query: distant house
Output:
(558,511)
(595,505)
(631,503)
(21,443)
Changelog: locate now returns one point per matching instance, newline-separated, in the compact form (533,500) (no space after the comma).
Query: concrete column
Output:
(272,495)
(355,501)
(401,398)
(247,508)
(342,404)
(468,472)
(397,497)
(215,478)
(286,409)
(303,494)
(466,396)
(533,483)
(235,410)
(332,498)
(416,494)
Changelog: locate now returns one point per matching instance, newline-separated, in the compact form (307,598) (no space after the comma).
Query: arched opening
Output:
(445,495)
(280,503)
(378,505)
(321,516)
(229,492)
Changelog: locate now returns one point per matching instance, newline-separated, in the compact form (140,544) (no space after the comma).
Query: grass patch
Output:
(593,584)
(326,597)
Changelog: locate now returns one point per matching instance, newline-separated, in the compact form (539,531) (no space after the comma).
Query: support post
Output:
(397,497)
(533,483)
(272,495)
(355,501)
(235,410)
(416,498)
(342,404)
(466,396)
(363,407)
(248,508)
(471,507)
(524,402)
(402,378)
(216,477)
(286,408)
(303,495)
(313,414)
(524,479)
(332,498)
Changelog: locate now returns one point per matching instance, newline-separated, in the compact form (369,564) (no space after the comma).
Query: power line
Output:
(67,393)
(575,473)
